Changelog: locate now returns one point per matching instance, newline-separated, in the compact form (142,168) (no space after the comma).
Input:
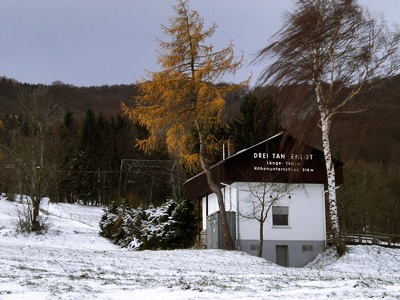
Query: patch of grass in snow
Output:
(29,283)
(5,292)
(78,276)
(58,289)
(145,280)
(31,269)
(211,283)
(386,282)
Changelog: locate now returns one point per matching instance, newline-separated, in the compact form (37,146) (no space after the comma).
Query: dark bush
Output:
(170,226)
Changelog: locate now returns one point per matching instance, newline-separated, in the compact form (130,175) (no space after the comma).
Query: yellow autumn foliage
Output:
(182,98)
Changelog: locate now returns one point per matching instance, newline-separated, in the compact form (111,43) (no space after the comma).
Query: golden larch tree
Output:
(183,96)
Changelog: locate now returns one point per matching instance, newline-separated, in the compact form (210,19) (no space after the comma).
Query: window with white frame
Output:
(280,215)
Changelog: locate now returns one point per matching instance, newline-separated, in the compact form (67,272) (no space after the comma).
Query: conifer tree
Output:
(87,160)
(66,149)
(183,96)
(258,120)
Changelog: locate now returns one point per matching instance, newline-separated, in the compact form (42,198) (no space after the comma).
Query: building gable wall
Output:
(306,221)
(303,201)
(279,159)
(306,212)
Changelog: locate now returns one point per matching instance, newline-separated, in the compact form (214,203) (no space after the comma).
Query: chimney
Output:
(231,146)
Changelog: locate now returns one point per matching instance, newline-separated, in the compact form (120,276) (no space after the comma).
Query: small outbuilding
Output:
(281,176)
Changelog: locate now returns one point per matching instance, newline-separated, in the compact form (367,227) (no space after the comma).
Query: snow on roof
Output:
(233,155)
(268,139)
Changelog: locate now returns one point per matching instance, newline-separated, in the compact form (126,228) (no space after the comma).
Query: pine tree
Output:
(88,159)
(258,120)
(183,230)
(66,148)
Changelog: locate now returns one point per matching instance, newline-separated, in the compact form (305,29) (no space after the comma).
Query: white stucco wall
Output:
(230,200)
(306,212)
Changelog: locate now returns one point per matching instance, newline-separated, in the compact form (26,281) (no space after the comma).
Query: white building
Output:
(289,178)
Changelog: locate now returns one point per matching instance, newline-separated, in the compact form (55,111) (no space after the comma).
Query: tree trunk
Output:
(215,189)
(330,172)
(260,250)
(35,215)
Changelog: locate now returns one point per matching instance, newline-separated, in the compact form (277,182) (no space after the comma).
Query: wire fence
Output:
(385,240)
(75,217)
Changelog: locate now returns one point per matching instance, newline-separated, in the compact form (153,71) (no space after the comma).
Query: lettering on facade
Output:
(281,162)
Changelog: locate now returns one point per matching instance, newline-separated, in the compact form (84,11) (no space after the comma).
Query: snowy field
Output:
(71,261)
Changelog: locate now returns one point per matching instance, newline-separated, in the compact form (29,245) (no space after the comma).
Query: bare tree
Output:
(257,206)
(338,49)
(35,176)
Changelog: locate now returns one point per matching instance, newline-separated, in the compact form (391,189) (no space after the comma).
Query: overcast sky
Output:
(96,42)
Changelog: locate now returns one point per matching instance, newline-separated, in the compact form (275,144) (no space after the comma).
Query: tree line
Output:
(84,155)
(81,156)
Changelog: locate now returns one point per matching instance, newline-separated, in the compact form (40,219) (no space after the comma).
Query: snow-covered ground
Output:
(71,261)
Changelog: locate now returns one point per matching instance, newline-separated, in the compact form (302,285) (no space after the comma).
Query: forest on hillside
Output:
(71,141)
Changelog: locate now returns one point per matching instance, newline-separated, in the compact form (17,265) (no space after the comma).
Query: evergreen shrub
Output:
(169,226)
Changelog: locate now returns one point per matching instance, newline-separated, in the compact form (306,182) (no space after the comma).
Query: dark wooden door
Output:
(282,256)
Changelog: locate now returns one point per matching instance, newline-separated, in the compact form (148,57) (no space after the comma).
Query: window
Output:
(308,248)
(280,215)
(254,247)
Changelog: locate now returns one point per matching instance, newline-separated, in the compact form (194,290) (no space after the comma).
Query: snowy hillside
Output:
(71,261)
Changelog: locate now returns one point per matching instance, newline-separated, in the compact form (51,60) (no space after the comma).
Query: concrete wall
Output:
(300,253)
